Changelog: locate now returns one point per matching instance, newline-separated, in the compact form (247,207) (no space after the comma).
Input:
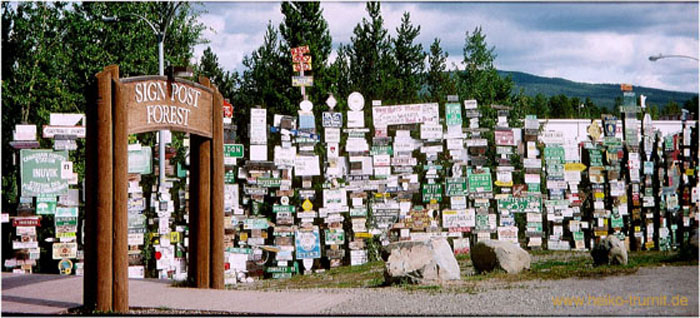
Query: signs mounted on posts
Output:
(155,103)
(41,172)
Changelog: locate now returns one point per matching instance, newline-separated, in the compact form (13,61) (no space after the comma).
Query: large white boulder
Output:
(490,254)
(610,250)
(421,262)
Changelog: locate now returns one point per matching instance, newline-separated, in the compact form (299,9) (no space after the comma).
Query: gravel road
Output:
(535,297)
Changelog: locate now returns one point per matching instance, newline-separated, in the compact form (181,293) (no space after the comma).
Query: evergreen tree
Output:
(439,81)
(304,24)
(410,61)
(371,61)
(539,106)
(225,81)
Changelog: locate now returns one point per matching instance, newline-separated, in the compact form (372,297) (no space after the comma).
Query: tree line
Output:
(52,51)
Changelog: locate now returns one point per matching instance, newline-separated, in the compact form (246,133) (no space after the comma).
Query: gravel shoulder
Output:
(533,297)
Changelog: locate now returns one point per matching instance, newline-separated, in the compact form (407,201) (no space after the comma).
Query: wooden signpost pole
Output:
(104,190)
(121,197)
(203,206)
(217,193)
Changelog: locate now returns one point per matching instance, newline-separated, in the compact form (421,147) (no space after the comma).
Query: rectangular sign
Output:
(154,103)
(52,131)
(140,160)
(405,114)
(233,151)
(479,181)
(453,114)
(308,243)
(332,119)
(41,172)
(302,81)
(65,250)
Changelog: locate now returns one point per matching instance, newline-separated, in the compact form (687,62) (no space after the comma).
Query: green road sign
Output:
(41,172)
(45,205)
(523,204)
(479,182)
(277,208)
(453,113)
(432,192)
(233,151)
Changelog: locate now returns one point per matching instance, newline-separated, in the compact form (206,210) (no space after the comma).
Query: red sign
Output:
(298,67)
(228,109)
(27,221)
(301,50)
(306,59)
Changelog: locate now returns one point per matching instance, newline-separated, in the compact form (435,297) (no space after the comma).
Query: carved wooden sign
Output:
(154,103)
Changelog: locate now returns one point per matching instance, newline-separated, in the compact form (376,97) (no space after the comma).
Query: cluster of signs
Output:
(46,177)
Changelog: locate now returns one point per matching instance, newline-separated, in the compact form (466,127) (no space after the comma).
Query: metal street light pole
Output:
(654,58)
(160,37)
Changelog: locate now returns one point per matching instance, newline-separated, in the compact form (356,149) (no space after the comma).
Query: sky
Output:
(583,42)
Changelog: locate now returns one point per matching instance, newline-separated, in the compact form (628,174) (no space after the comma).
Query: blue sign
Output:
(308,243)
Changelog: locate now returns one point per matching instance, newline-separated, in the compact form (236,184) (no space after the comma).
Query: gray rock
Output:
(694,239)
(420,262)
(610,251)
(488,255)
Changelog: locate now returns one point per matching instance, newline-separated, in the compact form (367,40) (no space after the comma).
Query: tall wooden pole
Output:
(203,206)
(217,193)
(193,212)
(104,190)
(121,197)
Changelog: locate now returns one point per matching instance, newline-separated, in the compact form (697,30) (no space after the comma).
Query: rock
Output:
(609,251)
(694,239)
(490,254)
(420,262)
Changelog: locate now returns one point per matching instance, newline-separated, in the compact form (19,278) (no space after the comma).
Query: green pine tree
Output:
(410,61)
(439,82)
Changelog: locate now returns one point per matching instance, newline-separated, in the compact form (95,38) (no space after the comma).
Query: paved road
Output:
(50,294)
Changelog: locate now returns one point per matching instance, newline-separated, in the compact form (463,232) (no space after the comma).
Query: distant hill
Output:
(600,94)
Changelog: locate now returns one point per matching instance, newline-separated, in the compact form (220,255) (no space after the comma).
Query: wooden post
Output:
(89,241)
(203,215)
(217,193)
(120,219)
(203,206)
(104,190)
(193,212)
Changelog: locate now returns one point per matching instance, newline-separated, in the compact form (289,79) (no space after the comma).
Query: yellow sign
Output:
(174,237)
(307,205)
(601,233)
(503,184)
(594,131)
(574,166)
(599,195)
(363,235)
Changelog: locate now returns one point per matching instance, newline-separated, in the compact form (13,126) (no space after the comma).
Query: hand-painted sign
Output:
(65,250)
(384,116)
(41,172)
(155,103)
(302,81)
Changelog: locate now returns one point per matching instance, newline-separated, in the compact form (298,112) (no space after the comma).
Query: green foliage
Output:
(409,61)
(439,82)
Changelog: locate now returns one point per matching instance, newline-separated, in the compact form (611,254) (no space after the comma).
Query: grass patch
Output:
(362,276)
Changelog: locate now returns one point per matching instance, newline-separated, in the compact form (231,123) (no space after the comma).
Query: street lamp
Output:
(160,37)
(653,58)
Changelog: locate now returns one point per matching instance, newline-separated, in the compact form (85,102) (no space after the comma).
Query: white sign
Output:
(285,156)
(406,114)
(470,104)
(332,135)
(24,132)
(258,152)
(356,119)
(356,101)
(458,218)
(52,131)
(307,166)
(335,198)
(258,126)
(58,119)
(428,131)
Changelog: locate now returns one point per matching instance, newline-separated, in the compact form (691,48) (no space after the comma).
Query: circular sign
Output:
(306,106)
(355,101)
(285,200)
(331,102)
(307,240)
(65,266)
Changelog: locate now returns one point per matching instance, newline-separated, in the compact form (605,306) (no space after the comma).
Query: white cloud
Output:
(587,43)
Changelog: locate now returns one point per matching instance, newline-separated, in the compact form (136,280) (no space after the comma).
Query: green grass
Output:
(547,265)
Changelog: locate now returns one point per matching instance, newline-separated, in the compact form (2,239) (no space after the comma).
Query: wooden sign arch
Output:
(136,105)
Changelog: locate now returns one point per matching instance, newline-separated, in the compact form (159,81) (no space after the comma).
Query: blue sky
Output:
(585,42)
